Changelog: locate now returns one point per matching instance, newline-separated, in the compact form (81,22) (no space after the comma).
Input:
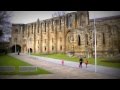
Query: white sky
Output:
(31,16)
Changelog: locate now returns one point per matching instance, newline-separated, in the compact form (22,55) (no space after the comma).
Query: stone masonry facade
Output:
(73,32)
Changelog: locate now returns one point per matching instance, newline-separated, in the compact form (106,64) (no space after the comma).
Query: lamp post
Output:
(73,40)
(95,44)
(86,51)
(15,46)
(16,42)
(28,45)
(73,49)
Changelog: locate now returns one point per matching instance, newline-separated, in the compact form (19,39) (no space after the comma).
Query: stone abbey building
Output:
(73,32)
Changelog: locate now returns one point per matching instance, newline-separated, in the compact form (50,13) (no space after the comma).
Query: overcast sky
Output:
(31,16)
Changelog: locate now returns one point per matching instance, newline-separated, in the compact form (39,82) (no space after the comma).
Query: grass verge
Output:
(6,60)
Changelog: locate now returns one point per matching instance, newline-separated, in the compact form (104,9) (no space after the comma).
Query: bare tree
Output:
(1,33)
(4,21)
(58,13)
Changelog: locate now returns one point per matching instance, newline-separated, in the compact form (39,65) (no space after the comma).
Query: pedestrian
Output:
(62,62)
(80,62)
(18,52)
(86,62)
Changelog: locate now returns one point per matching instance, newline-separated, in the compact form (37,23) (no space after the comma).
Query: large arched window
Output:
(79,41)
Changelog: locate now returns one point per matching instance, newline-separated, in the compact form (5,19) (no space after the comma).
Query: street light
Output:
(73,49)
(16,41)
(15,45)
(29,45)
(95,44)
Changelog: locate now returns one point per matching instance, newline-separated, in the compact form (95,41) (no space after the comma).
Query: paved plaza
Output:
(70,70)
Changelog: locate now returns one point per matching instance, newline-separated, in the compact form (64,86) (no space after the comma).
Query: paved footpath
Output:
(70,70)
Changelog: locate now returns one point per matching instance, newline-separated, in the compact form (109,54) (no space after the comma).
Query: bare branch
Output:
(58,13)
(4,22)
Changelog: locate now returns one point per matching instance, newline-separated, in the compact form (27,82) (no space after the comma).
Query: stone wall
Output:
(73,32)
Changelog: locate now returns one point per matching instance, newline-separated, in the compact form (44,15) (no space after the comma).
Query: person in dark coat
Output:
(80,61)
(18,52)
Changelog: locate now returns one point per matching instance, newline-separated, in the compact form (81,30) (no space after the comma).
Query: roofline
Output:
(106,18)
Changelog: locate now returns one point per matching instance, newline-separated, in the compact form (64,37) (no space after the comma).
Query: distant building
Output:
(72,32)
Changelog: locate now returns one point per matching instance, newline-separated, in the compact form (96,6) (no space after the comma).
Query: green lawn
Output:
(6,60)
(100,61)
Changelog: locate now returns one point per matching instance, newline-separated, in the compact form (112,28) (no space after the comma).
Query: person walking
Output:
(80,62)
(18,52)
(62,62)
(86,62)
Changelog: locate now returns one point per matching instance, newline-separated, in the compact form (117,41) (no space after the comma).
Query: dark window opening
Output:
(82,21)
(86,37)
(67,21)
(60,24)
(70,21)
(32,31)
(38,28)
(45,27)
(52,48)
(45,48)
(79,41)
(61,48)
(119,50)
(103,39)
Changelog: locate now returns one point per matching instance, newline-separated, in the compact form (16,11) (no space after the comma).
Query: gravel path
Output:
(59,71)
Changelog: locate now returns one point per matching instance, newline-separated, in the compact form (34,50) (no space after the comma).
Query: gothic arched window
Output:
(70,21)
(82,20)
